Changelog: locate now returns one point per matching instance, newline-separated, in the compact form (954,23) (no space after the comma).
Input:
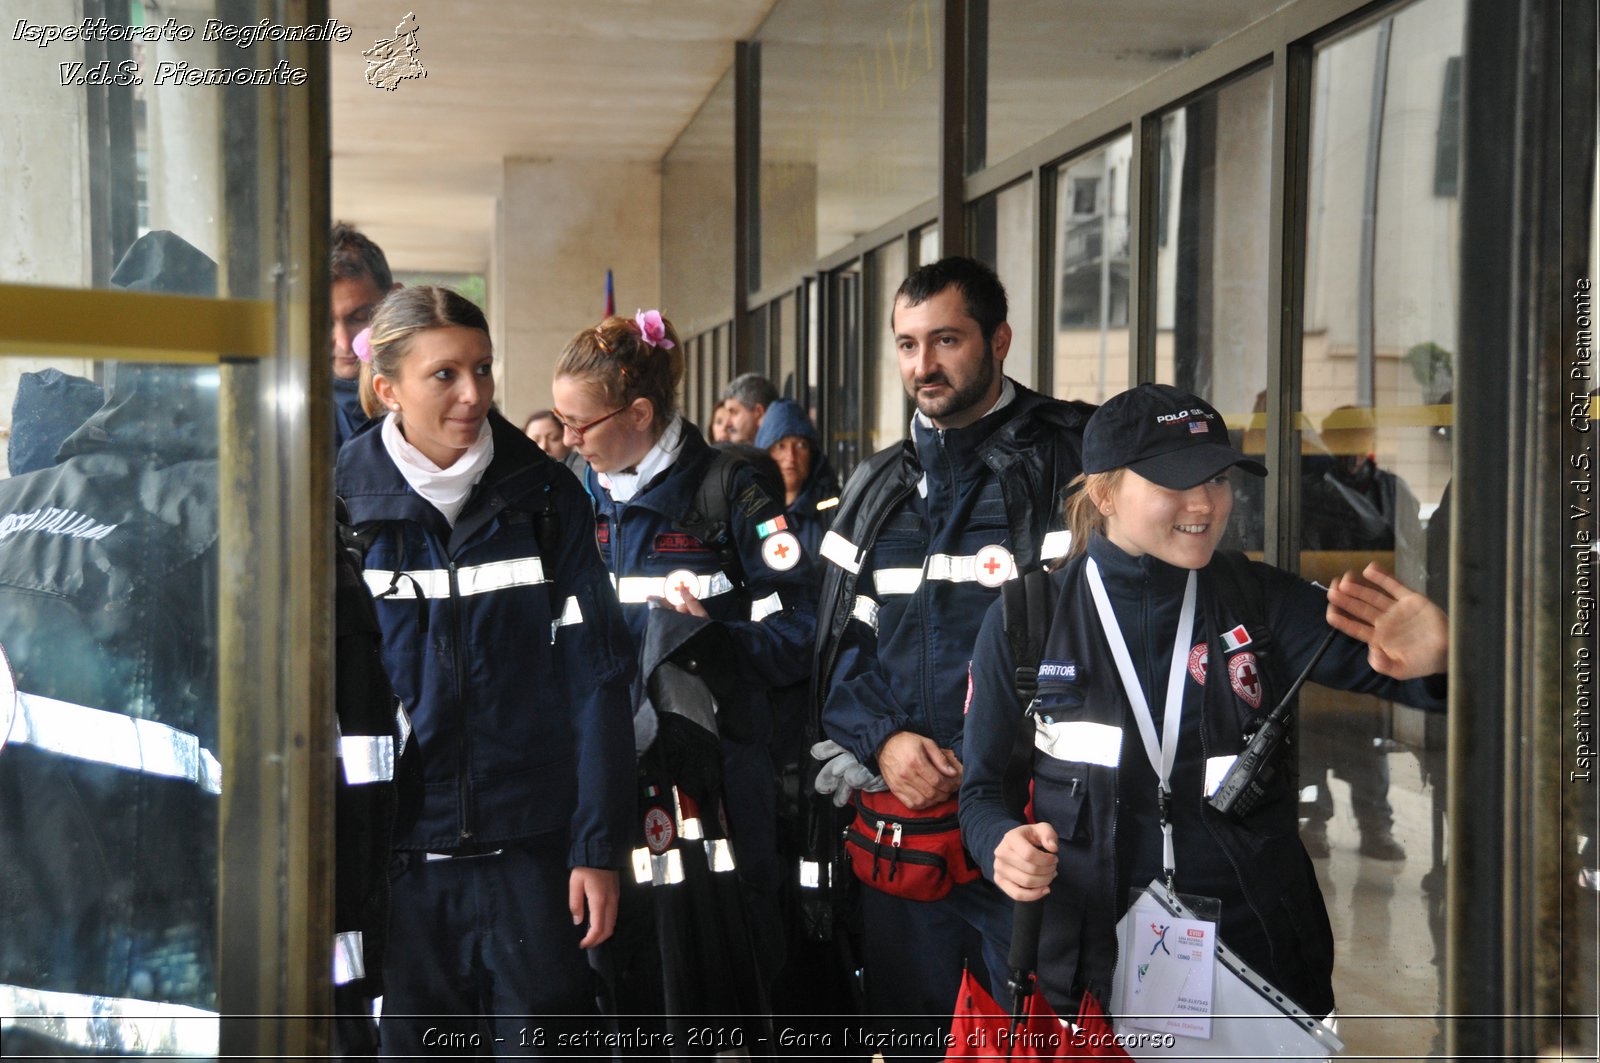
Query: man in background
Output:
(746,398)
(360,279)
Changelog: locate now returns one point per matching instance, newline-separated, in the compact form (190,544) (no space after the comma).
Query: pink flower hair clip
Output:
(362,344)
(653,329)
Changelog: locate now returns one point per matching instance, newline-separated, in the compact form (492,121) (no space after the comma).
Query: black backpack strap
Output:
(1028,606)
(707,518)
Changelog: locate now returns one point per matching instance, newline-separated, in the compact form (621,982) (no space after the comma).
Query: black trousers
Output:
(482,956)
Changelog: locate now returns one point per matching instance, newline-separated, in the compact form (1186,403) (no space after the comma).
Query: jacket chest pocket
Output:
(1070,751)
(898,554)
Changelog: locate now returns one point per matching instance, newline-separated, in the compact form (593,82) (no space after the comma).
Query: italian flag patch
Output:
(776,524)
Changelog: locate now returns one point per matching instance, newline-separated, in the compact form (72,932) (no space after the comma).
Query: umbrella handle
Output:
(1023,959)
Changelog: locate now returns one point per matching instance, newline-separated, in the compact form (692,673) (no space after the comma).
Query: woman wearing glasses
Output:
(504,641)
(710,568)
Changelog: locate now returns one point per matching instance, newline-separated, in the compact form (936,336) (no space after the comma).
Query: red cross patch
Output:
(1197,662)
(993,565)
(781,552)
(658,833)
(1246,678)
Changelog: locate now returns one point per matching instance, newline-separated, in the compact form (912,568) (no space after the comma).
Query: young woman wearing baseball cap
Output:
(1126,752)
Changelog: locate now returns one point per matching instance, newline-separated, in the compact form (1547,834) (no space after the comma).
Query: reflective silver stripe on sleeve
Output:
(719,854)
(367,758)
(841,551)
(657,869)
(1055,545)
(472,579)
(402,720)
(896,580)
(764,608)
(1079,742)
(1216,768)
(110,1024)
(635,589)
(866,611)
(571,613)
(114,739)
(349,958)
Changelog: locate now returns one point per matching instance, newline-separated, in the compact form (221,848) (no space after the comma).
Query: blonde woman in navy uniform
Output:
(1145,531)
(504,641)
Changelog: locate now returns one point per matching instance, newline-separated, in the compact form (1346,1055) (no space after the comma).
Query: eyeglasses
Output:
(579,429)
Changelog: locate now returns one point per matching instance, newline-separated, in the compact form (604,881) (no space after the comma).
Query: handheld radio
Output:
(1249,779)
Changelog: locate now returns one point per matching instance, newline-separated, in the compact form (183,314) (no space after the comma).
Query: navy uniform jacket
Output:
(1093,781)
(926,534)
(766,607)
(504,641)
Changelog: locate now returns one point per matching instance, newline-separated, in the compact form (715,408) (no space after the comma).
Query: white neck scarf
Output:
(448,488)
(622,486)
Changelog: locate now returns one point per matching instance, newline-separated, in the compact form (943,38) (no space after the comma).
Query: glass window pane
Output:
(1212,230)
(106,163)
(849,124)
(845,431)
(785,347)
(697,217)
(1375,415)
(1046,64)
(1090,273)
(927,244)
(1004,238)
(887,415)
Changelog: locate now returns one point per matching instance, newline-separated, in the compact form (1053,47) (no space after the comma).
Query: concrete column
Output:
(183,134)
(560,224)
(44,179)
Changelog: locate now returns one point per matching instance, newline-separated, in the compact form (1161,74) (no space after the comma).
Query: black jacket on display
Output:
(109,778)
(1093,782)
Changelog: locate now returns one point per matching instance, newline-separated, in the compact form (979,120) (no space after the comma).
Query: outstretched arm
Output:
(1407,636)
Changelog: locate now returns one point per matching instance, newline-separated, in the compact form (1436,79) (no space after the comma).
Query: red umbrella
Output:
(982,1029)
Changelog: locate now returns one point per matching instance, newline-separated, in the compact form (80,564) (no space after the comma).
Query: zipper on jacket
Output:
(464,771)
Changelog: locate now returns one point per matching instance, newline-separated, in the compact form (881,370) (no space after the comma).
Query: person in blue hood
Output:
(503,639)
(810,489)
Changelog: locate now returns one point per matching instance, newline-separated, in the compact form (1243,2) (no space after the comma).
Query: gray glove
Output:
(842,772)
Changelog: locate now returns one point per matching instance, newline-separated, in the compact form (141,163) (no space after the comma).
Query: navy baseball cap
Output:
(1169,437)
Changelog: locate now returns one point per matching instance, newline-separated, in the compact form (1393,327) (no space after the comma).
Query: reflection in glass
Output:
(107,163)
(697,217)
(1003,237)
(109,773)
(888,414)
(1047,63)
(1212,222)
(849,124)
(1375,414)
(1090,274)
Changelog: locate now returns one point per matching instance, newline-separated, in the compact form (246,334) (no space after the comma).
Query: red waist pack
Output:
(915,855)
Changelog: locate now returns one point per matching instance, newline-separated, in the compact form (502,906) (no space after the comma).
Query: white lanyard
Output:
(1161,756)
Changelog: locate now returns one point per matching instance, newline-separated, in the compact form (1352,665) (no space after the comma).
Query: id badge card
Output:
(1169,964)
